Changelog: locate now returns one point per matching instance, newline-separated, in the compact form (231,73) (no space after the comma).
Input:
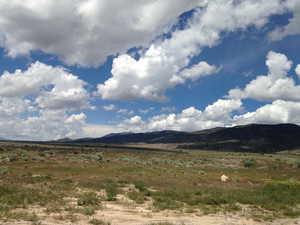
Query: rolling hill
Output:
(3,139)
(249,138)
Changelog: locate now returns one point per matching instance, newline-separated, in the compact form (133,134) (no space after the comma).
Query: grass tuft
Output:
(88,199)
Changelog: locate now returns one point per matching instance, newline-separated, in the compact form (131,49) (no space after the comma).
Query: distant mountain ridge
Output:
(64,140)
(117,134)
(3,139)
(148,137)
(250,138)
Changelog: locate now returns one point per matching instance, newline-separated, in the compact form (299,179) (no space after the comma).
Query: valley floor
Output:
(75,184)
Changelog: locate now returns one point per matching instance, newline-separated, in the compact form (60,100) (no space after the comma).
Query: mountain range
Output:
(247,138)
(3,139)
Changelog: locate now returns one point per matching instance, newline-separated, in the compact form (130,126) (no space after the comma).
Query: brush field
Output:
(145,185)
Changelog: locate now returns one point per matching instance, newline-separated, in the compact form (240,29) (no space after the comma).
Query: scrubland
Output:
(102,185)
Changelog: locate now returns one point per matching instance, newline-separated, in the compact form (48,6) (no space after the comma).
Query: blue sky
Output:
(84,71)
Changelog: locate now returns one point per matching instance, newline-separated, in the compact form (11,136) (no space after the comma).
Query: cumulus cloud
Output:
(298,70)
(135,121)
(46,125)
(10,107)
(278,111)
(52,87)
(198,70)
(38,103)
(94,130)
(293,26)
(164,64)
(45,102)
(276,85)
(49,125)
(139,79)
(217,114)
(84,32)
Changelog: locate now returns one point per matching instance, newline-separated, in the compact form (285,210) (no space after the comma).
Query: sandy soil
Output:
(126,212)
(121,214)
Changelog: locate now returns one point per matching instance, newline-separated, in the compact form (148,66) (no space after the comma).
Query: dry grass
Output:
(47,176)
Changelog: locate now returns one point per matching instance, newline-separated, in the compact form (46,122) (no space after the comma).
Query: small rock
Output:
(224,178)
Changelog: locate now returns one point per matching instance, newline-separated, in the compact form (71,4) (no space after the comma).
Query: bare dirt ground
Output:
(122,213)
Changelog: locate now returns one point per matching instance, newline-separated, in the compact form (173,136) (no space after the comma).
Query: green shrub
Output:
(140,186)
(99,222)
(249,163)
(13,196)
(12,158)
(111,189)
(274,166)
(136,196)
(167,199)
(3,171)
(88,199)
(296,164)
(89,211)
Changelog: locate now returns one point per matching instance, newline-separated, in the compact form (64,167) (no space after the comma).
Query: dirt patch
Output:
(122,214)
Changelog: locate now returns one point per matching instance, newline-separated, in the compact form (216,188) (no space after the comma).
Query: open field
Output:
(80,184)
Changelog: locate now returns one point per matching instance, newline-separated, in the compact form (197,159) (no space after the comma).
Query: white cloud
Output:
(134,121)
(219,114)
(37,103)
(10,107)
(110,107)
(75,118)
(42,101)
(51,125)
(159,67)
(47,125)
(125,111)
(190,119)
(113,107)
(293,27)
(52,87)
(277,112)
(199,70)
(84,32)
(93,130)
(298,70)
(276,85)
(221,110)
(146,111)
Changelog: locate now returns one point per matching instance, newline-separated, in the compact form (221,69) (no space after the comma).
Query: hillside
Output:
(250,138)
(3,139)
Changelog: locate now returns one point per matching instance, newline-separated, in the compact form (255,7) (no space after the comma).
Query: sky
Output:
(86,68)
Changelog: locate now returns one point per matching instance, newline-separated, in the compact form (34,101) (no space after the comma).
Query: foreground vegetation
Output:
(74,181)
